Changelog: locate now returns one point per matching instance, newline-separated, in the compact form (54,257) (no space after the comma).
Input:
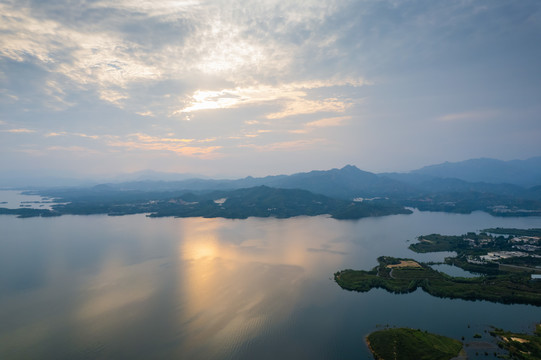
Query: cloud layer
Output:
(333,82)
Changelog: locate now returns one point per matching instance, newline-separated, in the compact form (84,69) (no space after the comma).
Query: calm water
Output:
(15,199)
(99,287)
(454,271)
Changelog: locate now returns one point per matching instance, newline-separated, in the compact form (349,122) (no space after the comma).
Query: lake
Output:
(14,199)
(101,287)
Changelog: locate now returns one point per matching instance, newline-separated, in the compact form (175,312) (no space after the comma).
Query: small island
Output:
(506,267)
(405,344)
(520,346)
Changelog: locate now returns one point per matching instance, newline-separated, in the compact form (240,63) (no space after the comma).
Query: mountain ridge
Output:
(417,189)
(525,173)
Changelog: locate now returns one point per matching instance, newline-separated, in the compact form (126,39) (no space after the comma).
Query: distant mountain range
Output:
(346,183)
(504,188)
(478,175)
(525,173)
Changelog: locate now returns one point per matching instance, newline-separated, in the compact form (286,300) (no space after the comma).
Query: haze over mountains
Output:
(341,183)
(344,193)
(350,181)
(519,172)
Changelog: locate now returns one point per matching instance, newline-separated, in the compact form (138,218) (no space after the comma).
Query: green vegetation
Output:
(28,212)
(465,202)
(410,190)
(437,242)
(472,248)
(488,268)
(405,344)
(520,346)
(506,288)
(506,282)
(513,231)
(467,244)
(261,201)
(388,194)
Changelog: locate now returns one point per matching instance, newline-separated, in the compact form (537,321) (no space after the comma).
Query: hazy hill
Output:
(482,175)
(518,172)
(345,183)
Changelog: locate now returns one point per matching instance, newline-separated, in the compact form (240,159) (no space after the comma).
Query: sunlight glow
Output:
(293,95)
(140,141)
(294,145)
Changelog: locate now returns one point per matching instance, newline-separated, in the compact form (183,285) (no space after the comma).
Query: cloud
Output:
(469,116)
(321,123)
(146,113)
(112,96)
(170,8)
(7,95)
(292,97)
(326,122)
(100,58)
(293,145)
(52,134)
(253,134)
(109,49)
(19,131)
(179,146)
(267,75)
(304,106)
(73,149)
(63,133)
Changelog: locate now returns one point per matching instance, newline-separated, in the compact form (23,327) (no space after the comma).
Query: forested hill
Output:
(261,201)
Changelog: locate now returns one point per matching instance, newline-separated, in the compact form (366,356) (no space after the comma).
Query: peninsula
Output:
(505,272)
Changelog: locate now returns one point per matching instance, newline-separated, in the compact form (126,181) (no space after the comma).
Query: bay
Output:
(86,287)
(15,199)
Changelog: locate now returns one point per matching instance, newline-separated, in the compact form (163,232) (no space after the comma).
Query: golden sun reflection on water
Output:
(237,288)
(186,288)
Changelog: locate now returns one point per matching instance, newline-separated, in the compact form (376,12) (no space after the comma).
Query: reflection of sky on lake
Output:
(135,287)
(454,271)
(238,281)
(203,283)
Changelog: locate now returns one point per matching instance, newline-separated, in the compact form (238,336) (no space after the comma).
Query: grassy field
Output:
(406,344)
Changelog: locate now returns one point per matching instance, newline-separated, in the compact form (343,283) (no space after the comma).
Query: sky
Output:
(234,88)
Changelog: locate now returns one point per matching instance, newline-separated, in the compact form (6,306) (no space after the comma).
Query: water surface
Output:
(15,199)
(454,271)
(77,287)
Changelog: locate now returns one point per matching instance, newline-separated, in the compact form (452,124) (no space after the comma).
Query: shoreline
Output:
(367,342)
